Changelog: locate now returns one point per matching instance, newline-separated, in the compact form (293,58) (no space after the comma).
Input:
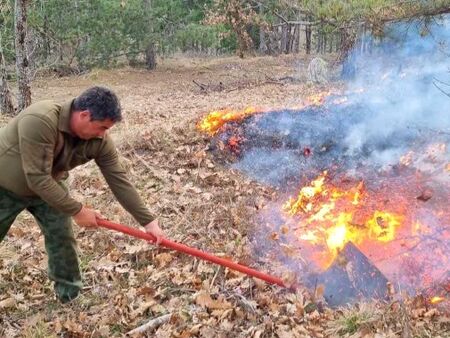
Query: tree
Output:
(6,103)
(239,15)
(22,69)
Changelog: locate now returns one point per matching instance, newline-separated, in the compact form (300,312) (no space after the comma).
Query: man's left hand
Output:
(153,228)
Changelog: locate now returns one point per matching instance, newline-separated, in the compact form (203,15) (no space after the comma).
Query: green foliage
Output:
(91,33)
(98,33)
(7,29)
(198,38)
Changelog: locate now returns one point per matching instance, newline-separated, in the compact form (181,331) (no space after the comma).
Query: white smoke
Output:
(401,76)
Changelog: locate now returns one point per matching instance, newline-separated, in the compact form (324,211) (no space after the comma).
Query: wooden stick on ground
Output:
(150,325)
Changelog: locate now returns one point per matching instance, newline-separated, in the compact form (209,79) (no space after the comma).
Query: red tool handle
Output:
(191,251)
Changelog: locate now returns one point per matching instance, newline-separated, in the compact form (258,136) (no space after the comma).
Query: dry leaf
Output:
(205,300)
(430,313)
(274,236)
(289,278)
(226,325)
(319,291)
(195,329)
(284,331)
(258,334)
(142,308)
(7,303)
(163,259)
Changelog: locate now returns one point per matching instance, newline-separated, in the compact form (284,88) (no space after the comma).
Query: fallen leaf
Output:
(319,291)
(163,259)
(7,303)
(205,300)
(430,313)
(274,236)
(289,278)
(283,331)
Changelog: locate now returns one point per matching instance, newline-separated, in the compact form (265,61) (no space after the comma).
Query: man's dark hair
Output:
(101,102)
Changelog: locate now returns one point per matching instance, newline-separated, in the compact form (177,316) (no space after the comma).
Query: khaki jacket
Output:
(37,149)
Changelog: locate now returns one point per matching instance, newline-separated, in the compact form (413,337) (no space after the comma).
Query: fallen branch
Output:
(210,87)
(150,325)
(254,85)
(201,85)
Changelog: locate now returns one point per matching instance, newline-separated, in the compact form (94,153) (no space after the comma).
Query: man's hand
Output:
(87,217)
(153,228)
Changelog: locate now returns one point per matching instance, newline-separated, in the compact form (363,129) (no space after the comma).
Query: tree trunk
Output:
(46,39)
(297,39)
(262,33)
(319,42)
(150,56)
(308,39)
(284,38)
(6,103)
(292,34)
(330,46)
(22,64)
(262,41)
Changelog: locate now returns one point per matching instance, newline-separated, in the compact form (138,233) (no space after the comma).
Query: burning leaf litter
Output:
(372,167)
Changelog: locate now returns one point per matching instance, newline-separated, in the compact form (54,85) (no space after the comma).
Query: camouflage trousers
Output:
(60,244)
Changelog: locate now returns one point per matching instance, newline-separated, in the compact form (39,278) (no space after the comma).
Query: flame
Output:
(234,144)
(319,98)
(334,216)
(382,226)
(436,299)
(216,119)
(417,228)
(407,159)
(212,123)
(293,206)
(447,168)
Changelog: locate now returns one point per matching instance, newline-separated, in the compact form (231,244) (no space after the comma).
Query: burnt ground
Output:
(128,282)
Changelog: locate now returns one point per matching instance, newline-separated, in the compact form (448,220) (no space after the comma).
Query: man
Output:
(37,149)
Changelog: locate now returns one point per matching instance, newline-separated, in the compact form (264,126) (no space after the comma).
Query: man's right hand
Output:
(87,217)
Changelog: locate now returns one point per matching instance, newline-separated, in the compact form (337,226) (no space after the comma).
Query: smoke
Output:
(403,78)
(392,132)
(395,103)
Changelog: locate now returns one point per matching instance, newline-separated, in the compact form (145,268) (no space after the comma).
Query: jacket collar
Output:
(64,117)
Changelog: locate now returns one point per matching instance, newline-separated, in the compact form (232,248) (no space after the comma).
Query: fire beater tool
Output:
(351,276)
(191,251)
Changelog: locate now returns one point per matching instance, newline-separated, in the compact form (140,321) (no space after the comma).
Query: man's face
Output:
(86,129)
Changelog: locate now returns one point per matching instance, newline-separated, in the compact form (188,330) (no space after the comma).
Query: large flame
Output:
(212,123)
(216,119)
(436,299)
(333,216)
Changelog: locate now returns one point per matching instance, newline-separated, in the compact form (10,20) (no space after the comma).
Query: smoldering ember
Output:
(363,174)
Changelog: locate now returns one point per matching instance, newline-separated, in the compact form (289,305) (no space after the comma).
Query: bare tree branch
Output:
(150,325)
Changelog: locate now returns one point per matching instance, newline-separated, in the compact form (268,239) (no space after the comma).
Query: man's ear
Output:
(85,114)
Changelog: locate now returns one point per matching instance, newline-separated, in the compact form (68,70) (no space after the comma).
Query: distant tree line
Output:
(66,36)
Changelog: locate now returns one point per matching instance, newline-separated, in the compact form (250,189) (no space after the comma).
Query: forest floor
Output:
(128,282)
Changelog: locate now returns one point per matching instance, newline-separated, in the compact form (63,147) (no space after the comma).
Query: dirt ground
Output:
(128,282)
